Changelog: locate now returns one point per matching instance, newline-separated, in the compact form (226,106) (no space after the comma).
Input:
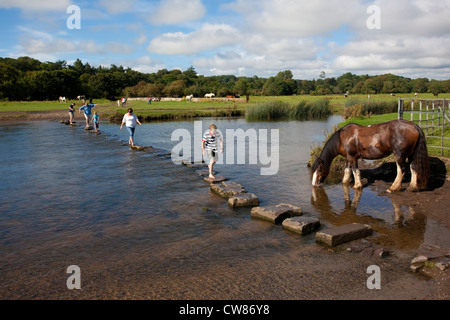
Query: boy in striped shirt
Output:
(209,144)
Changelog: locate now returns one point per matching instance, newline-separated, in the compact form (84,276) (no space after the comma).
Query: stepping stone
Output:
(227,189)
(194,164)
(140,148)
(302,225)
(216,179)
(243,200)
(338,235)
(277,213)
(204,172)
(90,128)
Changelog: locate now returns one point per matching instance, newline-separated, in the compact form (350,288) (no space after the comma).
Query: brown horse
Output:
(402,138)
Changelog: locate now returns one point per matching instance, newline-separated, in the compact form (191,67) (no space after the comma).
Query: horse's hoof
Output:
(413,190)
(357,187)
(389,191)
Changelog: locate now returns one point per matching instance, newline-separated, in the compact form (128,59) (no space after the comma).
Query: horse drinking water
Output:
(402,138)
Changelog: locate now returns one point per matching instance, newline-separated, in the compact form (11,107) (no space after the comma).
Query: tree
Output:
(241,87)
(8,81)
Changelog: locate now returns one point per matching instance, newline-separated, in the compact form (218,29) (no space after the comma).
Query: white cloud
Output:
(41,5)
(209,37)
(173,12)
(117,6)
(143,64)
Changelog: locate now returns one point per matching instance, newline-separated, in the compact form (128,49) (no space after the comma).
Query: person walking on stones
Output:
(130,120)
(87,112)
(96,119)
(209,144)
(71,111)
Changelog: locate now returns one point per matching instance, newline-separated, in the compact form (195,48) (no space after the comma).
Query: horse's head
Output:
(320,172)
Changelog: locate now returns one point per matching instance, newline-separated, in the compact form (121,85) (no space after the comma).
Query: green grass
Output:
(277,110)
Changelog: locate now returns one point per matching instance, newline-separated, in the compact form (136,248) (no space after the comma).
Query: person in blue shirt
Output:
(96,119)
(87,112)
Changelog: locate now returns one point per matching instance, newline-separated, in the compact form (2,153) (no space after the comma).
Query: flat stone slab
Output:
(301,225)
(342,234)
(243,200)
(204,172)
(140,148)
(216,179)
(194,164)
(227,189)
(276,213)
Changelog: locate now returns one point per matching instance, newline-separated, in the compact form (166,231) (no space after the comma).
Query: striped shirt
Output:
(211,140)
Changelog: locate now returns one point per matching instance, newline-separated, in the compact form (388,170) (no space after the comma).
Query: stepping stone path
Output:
(203,172)
(277,213)
(338,235)
(243,200)
(301,225)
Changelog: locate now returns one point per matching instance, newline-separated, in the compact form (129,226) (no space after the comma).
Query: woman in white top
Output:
(130,120)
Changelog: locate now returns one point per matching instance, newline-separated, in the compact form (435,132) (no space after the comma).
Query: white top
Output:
(130,121)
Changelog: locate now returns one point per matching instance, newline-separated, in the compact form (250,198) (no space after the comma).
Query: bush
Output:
(359,108)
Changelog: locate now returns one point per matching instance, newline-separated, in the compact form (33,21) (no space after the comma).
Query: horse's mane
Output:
(330,150)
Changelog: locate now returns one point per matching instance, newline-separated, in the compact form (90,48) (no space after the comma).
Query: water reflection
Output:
(403,229)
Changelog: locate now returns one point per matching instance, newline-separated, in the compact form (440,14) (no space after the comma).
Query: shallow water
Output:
(71,197)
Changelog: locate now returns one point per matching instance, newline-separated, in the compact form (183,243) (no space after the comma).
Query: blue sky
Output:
(244,38)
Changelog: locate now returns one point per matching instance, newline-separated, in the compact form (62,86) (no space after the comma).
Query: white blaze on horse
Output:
(62,99)
(209,95)
(404,139)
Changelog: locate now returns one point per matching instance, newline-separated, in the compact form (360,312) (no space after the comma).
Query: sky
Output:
(410,38)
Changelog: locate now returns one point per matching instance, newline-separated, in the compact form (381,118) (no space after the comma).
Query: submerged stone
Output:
(276,213)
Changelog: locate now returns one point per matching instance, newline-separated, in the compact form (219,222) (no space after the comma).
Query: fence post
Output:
(400,109)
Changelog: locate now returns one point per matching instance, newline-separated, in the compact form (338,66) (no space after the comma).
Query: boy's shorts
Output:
(71,115)
(213,155)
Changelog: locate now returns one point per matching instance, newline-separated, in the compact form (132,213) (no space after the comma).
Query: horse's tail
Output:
(420,161)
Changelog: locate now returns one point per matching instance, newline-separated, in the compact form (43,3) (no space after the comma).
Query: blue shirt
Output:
(96,117)
(87,109)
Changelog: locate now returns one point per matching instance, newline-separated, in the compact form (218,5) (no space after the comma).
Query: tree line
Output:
(26,78)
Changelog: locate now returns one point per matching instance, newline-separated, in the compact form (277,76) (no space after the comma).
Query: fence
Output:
(433,116)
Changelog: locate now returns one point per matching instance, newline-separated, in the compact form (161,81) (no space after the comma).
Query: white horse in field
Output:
(209,95)
(62,99)
(189,98)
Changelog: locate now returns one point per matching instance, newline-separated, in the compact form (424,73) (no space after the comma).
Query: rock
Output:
(432,252)
(194,164)
(359,247)
(302,225)
(443,264)
(216,179)
(139,148)
(89,128)
(367,252)
(243,200)
(227,189)
(380,253)
(419,260)
(338,235)
(203,172)
(416,268)
(277,213)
